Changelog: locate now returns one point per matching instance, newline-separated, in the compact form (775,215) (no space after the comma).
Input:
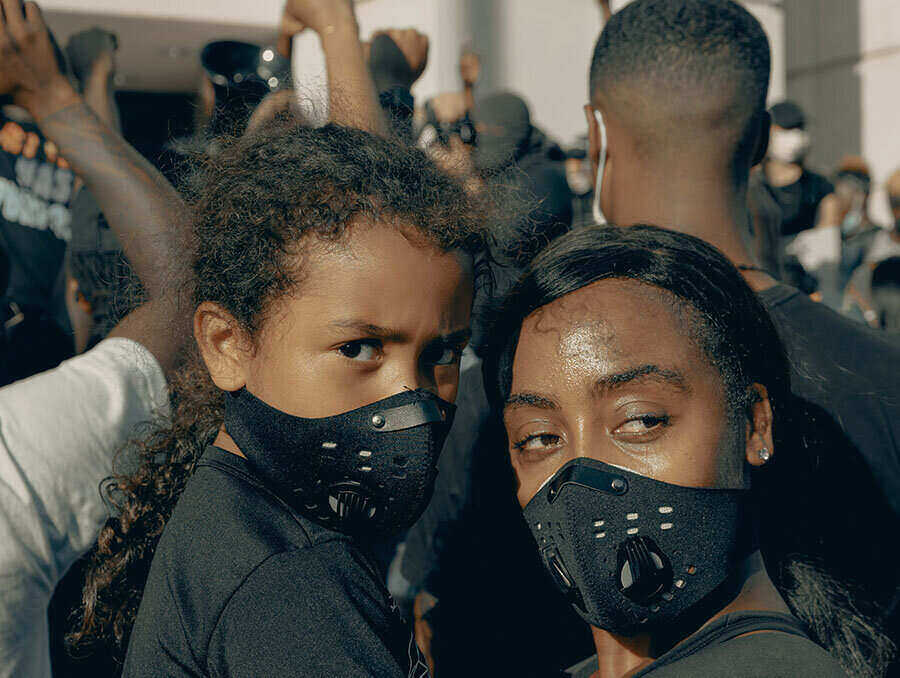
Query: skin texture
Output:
(610,372)
(352,99)
(316,354)
(687,179)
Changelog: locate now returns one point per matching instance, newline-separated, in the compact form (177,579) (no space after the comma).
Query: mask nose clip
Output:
(644,570)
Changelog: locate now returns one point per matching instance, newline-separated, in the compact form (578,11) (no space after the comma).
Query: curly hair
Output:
(256,202)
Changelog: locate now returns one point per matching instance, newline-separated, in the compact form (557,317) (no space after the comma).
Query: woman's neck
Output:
(619,656)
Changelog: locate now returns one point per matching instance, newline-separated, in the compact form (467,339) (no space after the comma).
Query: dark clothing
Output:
(722,649)
(35,190)
(850,372)
(240,585)
(799,201)
(34,206)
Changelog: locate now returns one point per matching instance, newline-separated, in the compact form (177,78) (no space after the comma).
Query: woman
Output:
(334,278)
(641,383)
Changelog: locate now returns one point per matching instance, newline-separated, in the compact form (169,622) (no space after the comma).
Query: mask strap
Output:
(599,217)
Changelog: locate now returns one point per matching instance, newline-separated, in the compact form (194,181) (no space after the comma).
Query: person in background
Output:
(61,428)
(36,187)
(797,189)
(884,244)
(641,383)
(847,212)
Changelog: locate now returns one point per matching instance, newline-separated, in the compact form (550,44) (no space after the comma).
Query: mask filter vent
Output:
(644,571)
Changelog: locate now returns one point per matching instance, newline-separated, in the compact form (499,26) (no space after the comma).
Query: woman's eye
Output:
(643,424)
(363,350)
(538,443)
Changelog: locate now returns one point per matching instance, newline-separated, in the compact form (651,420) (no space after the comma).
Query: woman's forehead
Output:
(601,326)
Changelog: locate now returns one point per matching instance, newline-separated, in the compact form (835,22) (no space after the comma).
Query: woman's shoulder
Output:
(769,654)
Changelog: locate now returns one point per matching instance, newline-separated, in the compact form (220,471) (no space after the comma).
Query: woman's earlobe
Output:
(760,444)
(223,344)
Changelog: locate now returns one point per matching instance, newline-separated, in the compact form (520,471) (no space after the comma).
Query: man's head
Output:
(680,82)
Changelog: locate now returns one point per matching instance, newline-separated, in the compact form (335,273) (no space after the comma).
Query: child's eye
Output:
(364,350)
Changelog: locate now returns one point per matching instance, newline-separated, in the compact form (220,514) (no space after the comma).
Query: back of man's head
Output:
(683,73)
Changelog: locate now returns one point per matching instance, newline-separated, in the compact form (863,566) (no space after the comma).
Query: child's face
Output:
(372,316)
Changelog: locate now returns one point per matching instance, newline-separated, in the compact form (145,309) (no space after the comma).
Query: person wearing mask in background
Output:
(641,383)
(797,189)
(884,244)
(61,428)
(845,215)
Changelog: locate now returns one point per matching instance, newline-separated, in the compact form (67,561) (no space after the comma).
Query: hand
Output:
(91,55)
(469,68)
(397,58)
(322,16)
(449,106)
(29,70)
(424,634)
(414,46)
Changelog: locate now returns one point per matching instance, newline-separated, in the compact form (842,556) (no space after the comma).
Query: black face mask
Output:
(634,554)
(368,472)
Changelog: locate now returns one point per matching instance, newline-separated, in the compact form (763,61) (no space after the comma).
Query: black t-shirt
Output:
(834,481)
(242,586)
(721,649)
(800,200)
(35,224)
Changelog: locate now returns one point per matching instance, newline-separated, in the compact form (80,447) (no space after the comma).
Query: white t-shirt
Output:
(59,432)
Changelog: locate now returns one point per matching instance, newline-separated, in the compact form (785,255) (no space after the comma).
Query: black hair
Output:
(735,331)
(685,46)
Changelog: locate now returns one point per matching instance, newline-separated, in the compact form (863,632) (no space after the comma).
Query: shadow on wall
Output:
(822,41)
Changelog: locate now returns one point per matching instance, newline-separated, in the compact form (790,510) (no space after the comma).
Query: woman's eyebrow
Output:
(527,399)
(643,373)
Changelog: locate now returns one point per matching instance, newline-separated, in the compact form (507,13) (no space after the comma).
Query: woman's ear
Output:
(759,445)
(224,345)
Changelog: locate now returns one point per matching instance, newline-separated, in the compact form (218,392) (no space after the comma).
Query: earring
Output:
(764,454)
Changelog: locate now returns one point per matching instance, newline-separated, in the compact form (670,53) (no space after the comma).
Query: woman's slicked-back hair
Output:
(733,327)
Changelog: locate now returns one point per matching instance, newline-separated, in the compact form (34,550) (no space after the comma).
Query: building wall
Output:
(843,67)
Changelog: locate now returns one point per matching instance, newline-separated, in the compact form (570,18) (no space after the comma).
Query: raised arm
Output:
(146,213)
(351,94)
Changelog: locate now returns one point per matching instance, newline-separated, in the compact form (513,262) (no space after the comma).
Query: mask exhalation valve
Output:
(351,504)
(644,571)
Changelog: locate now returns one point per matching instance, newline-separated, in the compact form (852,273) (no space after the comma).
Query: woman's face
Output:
(610,372)
(373,315)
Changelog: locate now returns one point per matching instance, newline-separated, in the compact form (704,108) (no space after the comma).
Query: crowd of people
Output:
(415,390)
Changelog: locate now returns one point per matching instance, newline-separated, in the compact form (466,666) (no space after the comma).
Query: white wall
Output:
(843,67)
